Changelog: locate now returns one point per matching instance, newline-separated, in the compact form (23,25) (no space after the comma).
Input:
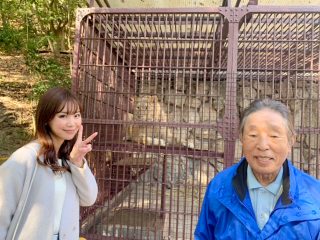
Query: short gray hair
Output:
(271,104)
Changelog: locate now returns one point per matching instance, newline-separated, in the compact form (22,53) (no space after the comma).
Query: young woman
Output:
(43,183)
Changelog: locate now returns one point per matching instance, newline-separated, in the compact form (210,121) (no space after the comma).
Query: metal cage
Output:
(165,87)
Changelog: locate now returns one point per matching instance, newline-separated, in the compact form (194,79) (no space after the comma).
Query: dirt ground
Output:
(16,108)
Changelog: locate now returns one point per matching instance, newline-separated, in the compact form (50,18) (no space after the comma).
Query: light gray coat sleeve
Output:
(85,183)
(14,173)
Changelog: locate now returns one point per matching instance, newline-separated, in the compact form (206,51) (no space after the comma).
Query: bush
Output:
(50,72)
(48,68)
(11,39)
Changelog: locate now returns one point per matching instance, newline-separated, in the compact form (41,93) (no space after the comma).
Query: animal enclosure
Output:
(165,89)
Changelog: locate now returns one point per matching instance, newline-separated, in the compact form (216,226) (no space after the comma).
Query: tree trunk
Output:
(4,19)
(57,43)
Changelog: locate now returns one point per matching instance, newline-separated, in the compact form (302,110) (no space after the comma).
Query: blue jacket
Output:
(227,211)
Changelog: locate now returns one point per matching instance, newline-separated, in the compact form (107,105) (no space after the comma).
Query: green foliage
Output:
(34,26)
(11,39)
(12,31)
(53,18)
(10,10)
(50,72)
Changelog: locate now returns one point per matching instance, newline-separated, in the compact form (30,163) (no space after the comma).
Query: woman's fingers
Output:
(80,131)
(90,138)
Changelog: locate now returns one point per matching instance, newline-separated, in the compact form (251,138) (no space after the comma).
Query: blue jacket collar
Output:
(239,182)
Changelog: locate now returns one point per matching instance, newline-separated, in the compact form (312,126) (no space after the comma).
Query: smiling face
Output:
(64,125)
(266,144)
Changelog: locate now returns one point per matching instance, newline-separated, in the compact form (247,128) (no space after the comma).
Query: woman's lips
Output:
(70,131)
(263,159)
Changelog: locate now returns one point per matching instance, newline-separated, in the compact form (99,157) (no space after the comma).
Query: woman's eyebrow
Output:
(251,127)
(274,127)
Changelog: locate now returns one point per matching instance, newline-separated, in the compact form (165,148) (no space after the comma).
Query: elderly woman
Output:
(263,196)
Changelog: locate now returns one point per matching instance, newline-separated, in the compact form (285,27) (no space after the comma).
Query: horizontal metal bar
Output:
(148,123)
(150,10)
(201,10)
(100,237)
(169,150)
(308,130)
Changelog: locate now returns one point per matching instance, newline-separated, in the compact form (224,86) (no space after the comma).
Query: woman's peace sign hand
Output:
(81,148)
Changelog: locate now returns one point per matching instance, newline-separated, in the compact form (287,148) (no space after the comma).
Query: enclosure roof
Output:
(195,3)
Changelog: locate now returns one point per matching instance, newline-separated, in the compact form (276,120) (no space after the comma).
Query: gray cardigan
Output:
(38,216)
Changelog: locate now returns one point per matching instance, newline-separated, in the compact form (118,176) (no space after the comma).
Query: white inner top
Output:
(60,188)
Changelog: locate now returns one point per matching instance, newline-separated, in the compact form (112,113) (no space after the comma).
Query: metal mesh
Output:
(278,58)
(164,89)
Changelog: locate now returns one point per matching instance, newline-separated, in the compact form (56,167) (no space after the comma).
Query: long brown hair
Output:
(51,103)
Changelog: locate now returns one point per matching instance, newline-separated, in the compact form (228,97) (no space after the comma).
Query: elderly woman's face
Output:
(265,142)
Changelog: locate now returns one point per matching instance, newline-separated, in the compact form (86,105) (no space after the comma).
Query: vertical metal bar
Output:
(282,57)
(315,18)
(230,118)
(103,89)
(150,25)
(163,188)
(76,52)
(156,64)
(144,71)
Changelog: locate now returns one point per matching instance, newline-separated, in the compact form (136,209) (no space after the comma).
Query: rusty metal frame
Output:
(229,32)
